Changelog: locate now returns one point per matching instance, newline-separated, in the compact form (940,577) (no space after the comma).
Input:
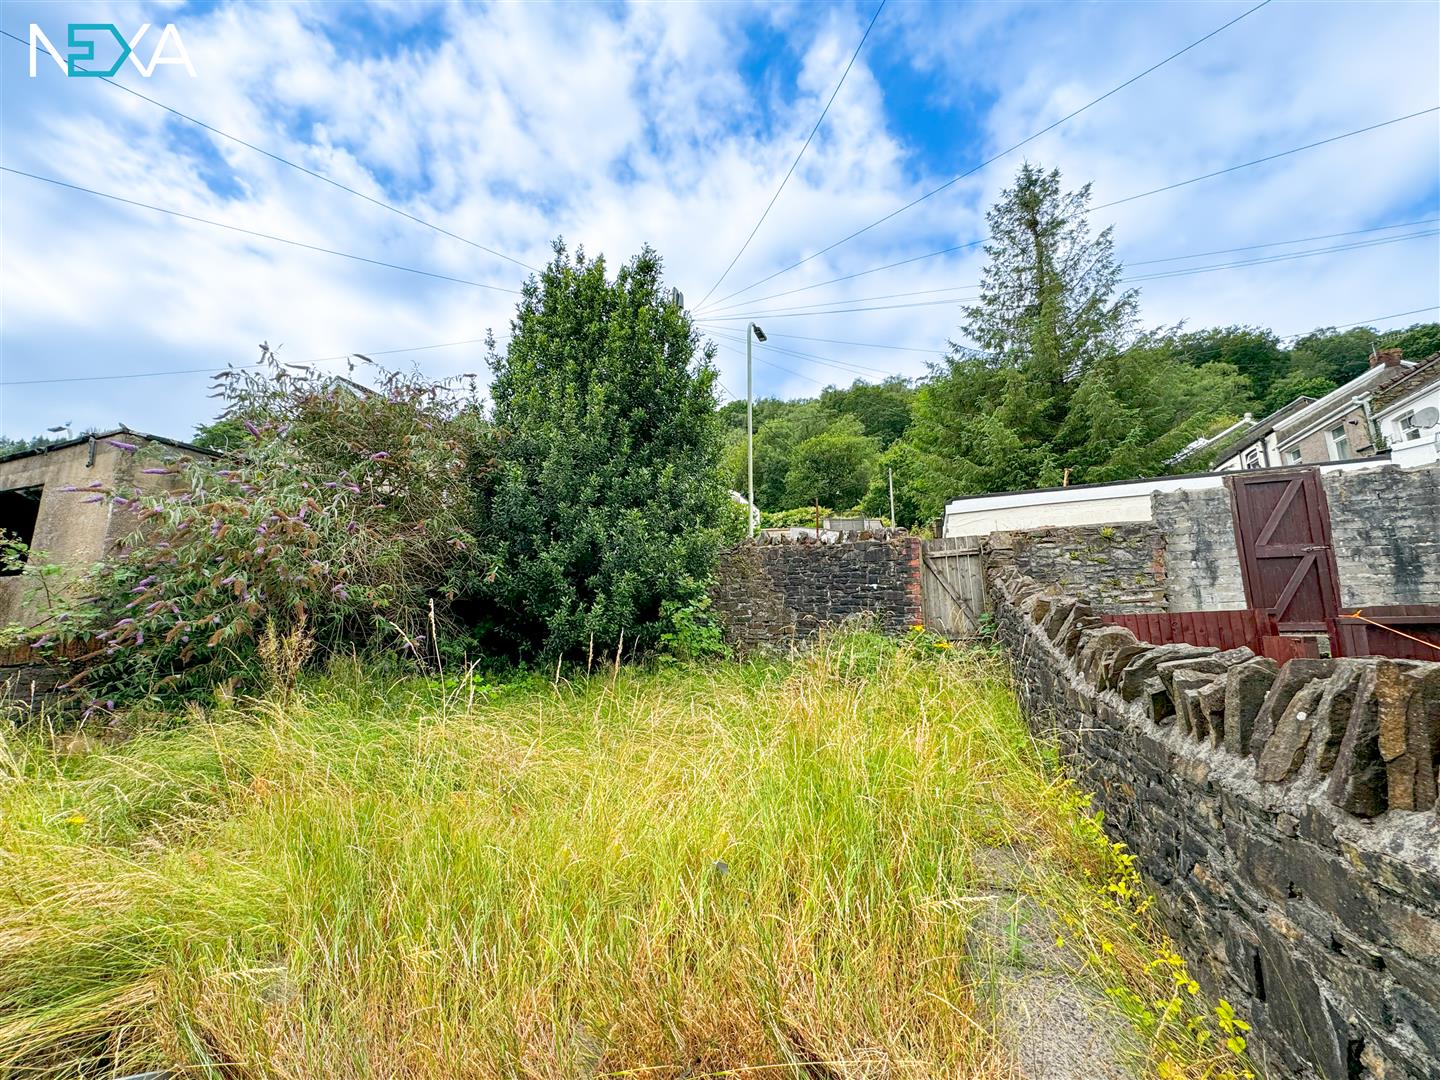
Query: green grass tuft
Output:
(675,873)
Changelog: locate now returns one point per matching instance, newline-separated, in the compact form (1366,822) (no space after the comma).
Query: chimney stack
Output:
(1386,358)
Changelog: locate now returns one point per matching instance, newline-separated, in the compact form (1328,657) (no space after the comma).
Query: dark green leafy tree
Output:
(1340,355)
(1337,355)
(1296,384)
(223,434)
(918,500)
(883,409)
(780,429)
(832,468)
(601,498)
(1417,342)
(1252,351)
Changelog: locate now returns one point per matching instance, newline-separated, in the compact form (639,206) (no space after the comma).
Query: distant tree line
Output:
(1061,384)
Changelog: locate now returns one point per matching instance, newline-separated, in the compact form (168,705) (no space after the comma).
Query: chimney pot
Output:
(1386,358)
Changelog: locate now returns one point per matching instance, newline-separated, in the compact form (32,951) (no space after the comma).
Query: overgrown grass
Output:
(674,873)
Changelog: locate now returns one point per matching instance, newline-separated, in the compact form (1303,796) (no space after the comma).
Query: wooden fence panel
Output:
(1400,631)
(1222,629)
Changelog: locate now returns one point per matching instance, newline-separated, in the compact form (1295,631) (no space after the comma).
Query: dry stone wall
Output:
(1285,816)
(771,593)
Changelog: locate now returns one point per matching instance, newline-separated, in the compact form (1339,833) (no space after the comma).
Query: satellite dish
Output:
(1427,417)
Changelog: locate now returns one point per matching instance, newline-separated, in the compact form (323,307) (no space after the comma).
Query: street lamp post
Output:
(753,333)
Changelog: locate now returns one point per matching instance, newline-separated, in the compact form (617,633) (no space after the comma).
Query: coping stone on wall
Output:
(1304,860)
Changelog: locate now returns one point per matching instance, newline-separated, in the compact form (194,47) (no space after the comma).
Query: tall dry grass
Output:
(733,868)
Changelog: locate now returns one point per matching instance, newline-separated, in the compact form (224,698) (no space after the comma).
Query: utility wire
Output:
(771,204)
(252,232)
(840,365)
(857,344)
(1003,153)
(236,367)
(779,367)
(1141,262)
(835,309)
(1281,258)
(1268,157)
(1281,243)
(286,161)
(1362,322)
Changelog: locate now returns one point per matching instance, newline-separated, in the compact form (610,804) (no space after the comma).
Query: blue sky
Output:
(672,124)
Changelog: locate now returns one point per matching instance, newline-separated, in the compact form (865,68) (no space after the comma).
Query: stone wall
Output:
(768,594)
(1202,565)
(1121,567)
(31,677)
(1385,525)
(1285,817)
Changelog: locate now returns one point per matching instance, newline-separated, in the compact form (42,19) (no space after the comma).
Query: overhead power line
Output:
(1287,257)
(849,368)
(1003,153)
(295,165)
(1362,322)
(253,232)
(1281,243)
(1268,157)
(212,369)
(771,204)
(1126,262)
(857,344)
(834,307)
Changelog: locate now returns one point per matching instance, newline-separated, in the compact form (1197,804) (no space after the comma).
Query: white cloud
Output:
(511,124)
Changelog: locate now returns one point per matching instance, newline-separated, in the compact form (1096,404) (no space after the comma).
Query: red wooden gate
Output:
(1282,530)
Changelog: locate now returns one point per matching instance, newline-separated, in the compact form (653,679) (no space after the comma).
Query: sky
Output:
(505,126)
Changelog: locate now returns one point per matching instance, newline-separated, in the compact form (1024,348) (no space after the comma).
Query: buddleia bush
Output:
(342,514)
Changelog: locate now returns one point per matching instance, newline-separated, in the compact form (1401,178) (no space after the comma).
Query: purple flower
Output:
(69,487)
(41,642)
(118,501)
(140,637)
(252,429)
(94,499)
(147,581)
(159,472)
(380,455)
(128,447)
(125,622)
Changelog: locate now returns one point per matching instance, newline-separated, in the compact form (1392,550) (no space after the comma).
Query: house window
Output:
(1339,440)
(1293,456)
(1252,458)
(19,510)
(1406,428)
